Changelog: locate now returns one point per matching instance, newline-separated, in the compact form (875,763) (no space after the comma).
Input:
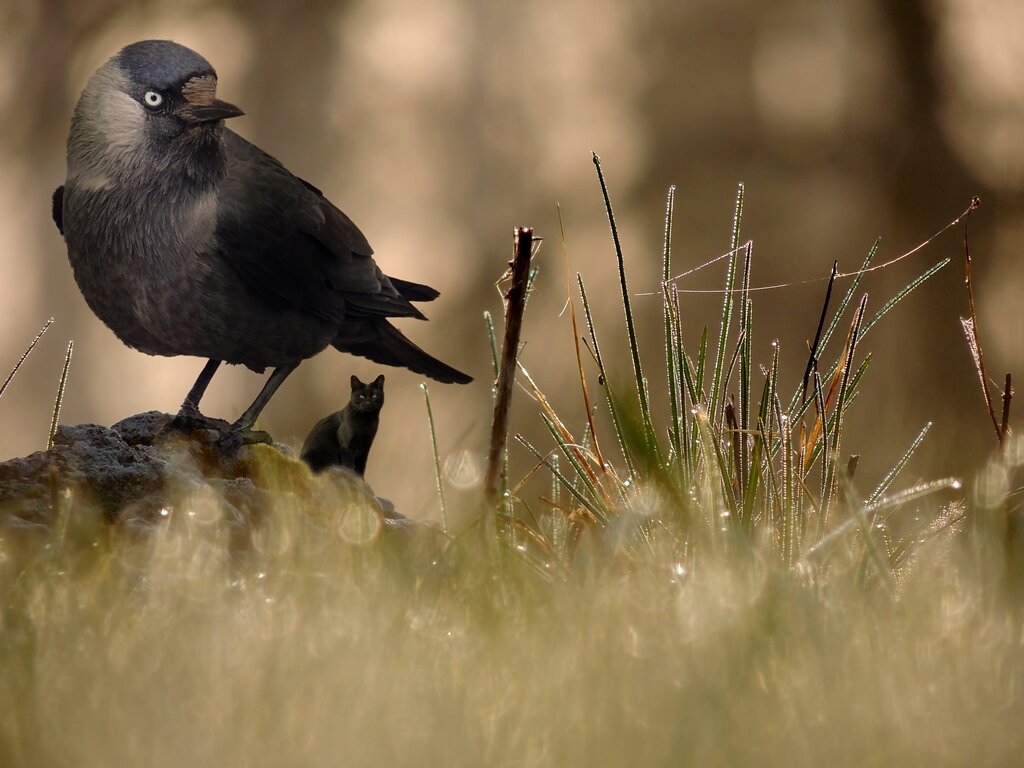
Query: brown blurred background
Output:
(438,126)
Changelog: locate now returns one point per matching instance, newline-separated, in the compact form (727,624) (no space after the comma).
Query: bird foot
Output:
(189,422)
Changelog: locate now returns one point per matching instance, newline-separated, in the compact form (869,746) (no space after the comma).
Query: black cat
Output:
(343,439)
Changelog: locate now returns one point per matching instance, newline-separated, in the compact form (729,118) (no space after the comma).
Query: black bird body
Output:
(186,239)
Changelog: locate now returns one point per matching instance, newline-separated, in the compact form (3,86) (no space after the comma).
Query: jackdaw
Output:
(185,239)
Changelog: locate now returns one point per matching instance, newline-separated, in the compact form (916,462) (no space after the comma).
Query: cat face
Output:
(367,397)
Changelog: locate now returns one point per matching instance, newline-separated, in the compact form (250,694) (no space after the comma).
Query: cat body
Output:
(344,438)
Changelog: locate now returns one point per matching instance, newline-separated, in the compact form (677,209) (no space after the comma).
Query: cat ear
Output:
(356,383)
(379,381)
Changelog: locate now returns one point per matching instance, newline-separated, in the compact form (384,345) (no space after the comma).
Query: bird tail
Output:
(414,291)
(381,342)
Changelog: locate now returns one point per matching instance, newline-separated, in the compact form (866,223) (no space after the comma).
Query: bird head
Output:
(153,101)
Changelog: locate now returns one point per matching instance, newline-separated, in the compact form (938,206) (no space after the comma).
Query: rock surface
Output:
(134,474)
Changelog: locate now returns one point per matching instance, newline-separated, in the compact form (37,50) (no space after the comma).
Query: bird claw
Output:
(188,421)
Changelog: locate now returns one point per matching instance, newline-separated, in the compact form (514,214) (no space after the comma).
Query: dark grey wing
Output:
(290,245)
(58,208)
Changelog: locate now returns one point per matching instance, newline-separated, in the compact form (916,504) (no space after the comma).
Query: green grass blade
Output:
(438,479)
(795,403)
(851,291)
(733,361)
(582,499)
(887,480)
(746,323)
(650,436)
(910,287)
(761,439)
(603,374)
(673,351)
(822,442)
(832,460)
(60,395)
(716,485)
(726,321)
(571,455)
(914,493)
(702,359)
(492,340)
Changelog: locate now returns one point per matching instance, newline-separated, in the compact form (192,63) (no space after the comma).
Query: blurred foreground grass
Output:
(711,591)
(166,649)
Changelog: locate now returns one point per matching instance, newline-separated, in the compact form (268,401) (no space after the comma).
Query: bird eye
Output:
(153,99)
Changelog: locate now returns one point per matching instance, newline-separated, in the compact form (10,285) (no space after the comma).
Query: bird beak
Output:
(210,113)
(201,102)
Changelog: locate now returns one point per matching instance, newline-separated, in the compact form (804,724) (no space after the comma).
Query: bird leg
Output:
(191,405)
(188,417)
(247,419)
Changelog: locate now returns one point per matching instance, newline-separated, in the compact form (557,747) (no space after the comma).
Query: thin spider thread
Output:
(808,281)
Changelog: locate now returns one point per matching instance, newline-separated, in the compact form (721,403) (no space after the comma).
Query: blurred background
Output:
(439,126)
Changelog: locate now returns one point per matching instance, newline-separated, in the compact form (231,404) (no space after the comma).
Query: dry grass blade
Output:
(584,458)
(970,326)
(588,406)
(833,390)
(812,356)
(1004,426)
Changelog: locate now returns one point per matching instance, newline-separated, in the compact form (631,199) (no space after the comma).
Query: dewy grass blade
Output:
(844,392)
(438,479)
(493,341)
(732,369)
(685,367)
(579,456)
(675,375)
(848,296)
(887,480)
(902,295)
(746,323)
(609,399)
(650,436)
(60,395)
(584,476)
(797,408)
(790,531)
(877,551)
(914,493)
(762,441)
(795,403)
(895,500)
(812,356)
(584,388)
(726,321)
(819,435)
(686,374)
(702,358)
(677,428)
(583,500)
(24,355)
